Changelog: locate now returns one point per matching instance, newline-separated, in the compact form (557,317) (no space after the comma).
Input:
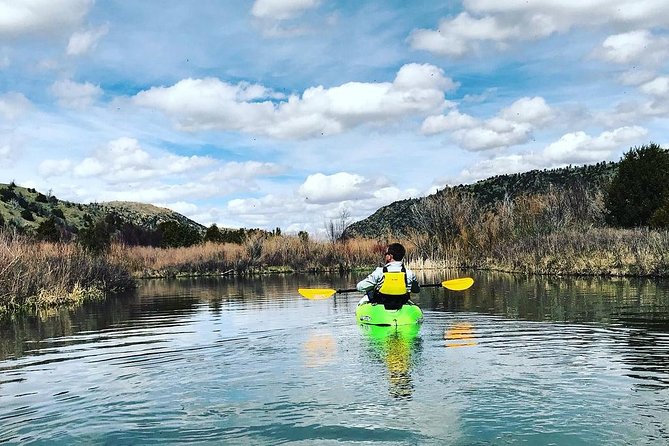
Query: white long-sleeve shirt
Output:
(374,280)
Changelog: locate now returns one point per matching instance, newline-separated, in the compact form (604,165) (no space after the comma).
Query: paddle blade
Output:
(316,293)
(458,284)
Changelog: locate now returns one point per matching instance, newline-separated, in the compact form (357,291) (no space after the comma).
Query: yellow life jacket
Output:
(393,291)
(394,284)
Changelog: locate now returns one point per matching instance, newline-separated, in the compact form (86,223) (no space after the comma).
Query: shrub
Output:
(49,231)
(27,215)
(175,234)
(640,187)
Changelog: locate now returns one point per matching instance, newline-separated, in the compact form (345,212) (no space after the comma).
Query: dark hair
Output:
(397,251)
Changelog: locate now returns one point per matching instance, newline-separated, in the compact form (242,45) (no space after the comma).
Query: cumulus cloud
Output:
(320,188)
(280,18)
(201,104)
(571,148)
(533,111)
(658,87)
(48,168)
(13,106)
(281,9)
(454,120)
(502,23)
(512,125)
(24,17)
(295,212)
(244,170)
(82,42)
(581,148)
(124,160)
(72,94)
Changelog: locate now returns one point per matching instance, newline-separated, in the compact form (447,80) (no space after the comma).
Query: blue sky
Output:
(286,113)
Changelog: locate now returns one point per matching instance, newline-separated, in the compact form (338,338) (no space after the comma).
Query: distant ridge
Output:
(397,218)
(25,208)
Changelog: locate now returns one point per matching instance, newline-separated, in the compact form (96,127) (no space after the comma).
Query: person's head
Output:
(396,250)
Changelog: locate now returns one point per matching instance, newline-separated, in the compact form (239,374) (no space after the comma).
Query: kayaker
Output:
(392,283)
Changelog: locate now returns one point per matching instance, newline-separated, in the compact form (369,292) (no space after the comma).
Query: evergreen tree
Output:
(213,234)
(640,187)
(48,230)
(96,238)
(175,234)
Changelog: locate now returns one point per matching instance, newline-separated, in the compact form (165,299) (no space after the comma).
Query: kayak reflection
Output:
(461,334)
(397,347)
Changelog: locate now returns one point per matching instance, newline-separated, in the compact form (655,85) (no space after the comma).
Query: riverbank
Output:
(36,275)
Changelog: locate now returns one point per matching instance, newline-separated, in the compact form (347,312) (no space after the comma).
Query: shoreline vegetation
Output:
(613,228)
(37,275)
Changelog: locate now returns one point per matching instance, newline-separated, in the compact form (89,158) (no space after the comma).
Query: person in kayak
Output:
(391,284)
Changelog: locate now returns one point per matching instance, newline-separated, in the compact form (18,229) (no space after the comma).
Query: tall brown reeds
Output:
(257,254)
(40,274)
(557,232)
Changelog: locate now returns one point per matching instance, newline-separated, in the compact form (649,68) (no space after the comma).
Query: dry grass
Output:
(257,254)
(39,275)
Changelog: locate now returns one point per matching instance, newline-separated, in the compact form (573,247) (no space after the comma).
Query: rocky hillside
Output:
(24,209)
(397,217)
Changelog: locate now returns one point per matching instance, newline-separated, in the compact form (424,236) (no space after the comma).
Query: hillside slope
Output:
(398,217)
(25,208)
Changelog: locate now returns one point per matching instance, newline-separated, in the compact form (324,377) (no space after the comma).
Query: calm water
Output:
(218,361)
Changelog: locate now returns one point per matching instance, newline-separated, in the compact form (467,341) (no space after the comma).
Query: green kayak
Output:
(376,314)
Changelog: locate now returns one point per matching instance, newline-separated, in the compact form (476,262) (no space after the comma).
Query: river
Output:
(513,360)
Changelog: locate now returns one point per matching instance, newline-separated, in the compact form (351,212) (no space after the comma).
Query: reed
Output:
(41,274)
(257,254)
(558,232)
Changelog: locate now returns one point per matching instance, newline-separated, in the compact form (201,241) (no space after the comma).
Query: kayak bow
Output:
(377,314)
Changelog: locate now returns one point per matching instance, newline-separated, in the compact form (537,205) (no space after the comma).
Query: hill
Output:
(396,218)
(25,209)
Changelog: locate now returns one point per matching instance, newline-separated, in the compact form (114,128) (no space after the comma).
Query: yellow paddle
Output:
(460,284)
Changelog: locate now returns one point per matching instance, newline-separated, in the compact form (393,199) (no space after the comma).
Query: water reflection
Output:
(398,348)
(320,349)
(460,334)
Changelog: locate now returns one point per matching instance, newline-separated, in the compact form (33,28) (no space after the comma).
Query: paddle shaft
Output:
(352,290)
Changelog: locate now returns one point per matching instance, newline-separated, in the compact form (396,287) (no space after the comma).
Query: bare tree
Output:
(335,227)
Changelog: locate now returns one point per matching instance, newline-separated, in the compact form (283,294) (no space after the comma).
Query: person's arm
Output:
(369,282)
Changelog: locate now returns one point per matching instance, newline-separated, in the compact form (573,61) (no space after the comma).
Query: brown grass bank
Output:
(39,275)
(256,255)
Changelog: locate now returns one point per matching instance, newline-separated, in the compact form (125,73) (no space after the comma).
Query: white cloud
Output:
(496,133)
(658,87)
(202,104)
(533,111)
(72,94)
(501,23)
(572,148)
(454,120)
(245,170)
(5,152)
(23,17)
(512,125)
(581,148)
(461,35)
(281,9)
(122,161)
(319,188)
(49,168)
(82,42)
(13,106)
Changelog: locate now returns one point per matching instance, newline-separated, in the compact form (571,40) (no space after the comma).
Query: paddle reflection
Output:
(397,347)
(460,334)
(319,349)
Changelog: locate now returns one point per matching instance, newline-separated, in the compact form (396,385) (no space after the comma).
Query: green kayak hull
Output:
(376,314)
